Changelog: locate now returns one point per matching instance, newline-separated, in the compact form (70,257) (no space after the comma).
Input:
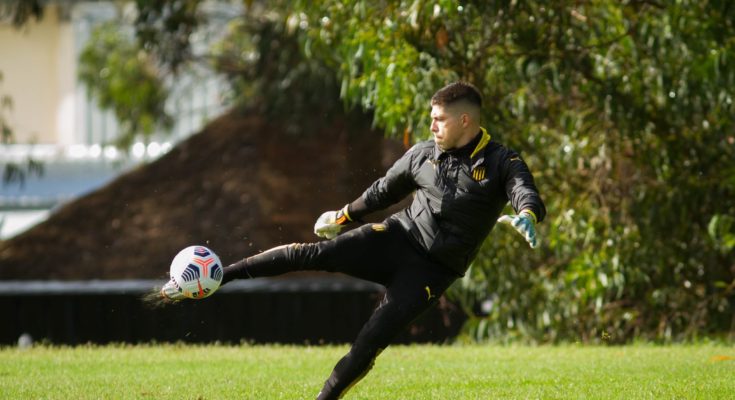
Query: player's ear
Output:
(464,120)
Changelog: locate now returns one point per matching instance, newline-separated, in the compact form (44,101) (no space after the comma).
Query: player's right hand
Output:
(330,223)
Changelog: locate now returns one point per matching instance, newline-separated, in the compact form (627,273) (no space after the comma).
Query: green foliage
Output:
(622,109)
(721,229)
(124,79)
(21,11)
(164,27)
(260,56)
(378,51)
(6,106)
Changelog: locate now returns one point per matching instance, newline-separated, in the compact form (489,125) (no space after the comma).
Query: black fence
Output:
(304,310)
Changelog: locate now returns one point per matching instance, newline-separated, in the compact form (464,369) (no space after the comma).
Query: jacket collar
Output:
(473,149)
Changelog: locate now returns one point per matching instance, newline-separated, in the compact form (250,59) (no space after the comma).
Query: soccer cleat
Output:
(169,292)
(161,297)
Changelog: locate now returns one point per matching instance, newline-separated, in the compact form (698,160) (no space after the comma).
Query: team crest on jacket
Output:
(379,227)
(478,173)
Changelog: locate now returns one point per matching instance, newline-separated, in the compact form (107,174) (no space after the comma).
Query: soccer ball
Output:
(196,272)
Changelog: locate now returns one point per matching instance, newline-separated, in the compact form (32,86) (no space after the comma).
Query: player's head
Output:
(457,93)
(455,115)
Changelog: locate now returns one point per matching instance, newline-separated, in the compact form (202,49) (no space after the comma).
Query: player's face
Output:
(446,125)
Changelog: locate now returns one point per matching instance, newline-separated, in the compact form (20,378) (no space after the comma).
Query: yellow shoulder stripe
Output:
(483,142)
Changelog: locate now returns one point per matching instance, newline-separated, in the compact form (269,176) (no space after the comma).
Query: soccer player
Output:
(461,181)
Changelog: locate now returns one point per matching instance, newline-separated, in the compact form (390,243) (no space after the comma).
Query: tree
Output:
(125,79)
(623,109)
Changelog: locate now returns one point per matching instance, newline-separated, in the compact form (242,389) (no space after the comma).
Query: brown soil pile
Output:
(239,186)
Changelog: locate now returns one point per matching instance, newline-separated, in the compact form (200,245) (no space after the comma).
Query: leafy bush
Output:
(622,109)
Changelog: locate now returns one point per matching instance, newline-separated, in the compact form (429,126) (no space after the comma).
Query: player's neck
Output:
(469,136)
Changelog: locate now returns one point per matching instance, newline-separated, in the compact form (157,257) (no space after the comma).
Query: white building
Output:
(53,120)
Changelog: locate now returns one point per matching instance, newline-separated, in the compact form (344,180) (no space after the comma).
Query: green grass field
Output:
(401,372)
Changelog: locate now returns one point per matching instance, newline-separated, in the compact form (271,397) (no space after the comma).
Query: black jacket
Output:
(459,195)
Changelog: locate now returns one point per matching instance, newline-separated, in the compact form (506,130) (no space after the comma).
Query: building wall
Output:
(67,122)
(38,72)
(56,123)
(39,64)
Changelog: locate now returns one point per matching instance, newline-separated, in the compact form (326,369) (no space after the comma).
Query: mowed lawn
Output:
(401,372)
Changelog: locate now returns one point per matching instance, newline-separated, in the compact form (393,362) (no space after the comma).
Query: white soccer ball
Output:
(197,272)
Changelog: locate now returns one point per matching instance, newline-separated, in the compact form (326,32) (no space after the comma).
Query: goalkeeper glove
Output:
(331,223)
(525,224)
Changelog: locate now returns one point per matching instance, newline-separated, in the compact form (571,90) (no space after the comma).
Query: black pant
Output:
(379,253)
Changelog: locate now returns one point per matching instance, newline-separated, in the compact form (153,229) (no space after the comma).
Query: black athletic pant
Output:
(379,253)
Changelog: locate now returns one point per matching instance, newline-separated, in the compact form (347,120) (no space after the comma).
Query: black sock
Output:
(238,270)
(276,261)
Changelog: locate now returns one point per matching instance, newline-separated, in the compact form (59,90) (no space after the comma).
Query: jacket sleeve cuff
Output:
(530,214)
(357,209)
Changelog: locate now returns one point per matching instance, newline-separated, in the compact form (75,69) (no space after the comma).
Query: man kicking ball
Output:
(461,181)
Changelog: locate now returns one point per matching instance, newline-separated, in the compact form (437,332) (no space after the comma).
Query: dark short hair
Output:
(455,92)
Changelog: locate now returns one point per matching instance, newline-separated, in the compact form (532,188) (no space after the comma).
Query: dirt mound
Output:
(239,186)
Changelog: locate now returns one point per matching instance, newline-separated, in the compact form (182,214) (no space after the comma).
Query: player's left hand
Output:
(525,224)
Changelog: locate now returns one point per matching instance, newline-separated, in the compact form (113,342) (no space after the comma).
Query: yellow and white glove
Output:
(330,223)
(525,224)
